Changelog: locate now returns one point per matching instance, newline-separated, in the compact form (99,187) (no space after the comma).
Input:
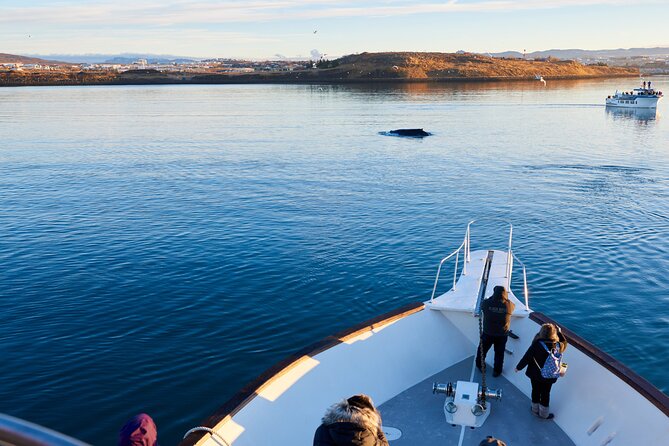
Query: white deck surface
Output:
(419,415)
(464,297)
(498,277)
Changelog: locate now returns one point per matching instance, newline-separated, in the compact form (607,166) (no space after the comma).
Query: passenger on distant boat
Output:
(139,430)
(534,359)
(351,422)
(497,310)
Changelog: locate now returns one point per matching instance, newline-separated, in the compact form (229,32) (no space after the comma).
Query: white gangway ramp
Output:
(464,296)
(498,277)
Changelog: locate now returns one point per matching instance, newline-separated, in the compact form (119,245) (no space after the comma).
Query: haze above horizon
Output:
(311,28)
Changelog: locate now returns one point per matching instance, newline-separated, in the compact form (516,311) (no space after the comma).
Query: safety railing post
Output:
(464,264)
(508,256)
(436,280)
(527,301)
(525,289)
(455,271)
(508,272)
(469,244)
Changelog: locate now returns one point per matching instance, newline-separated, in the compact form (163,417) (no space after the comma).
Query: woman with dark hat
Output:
(351,422)
(139,430)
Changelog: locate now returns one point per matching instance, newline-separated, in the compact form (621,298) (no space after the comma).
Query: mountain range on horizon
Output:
(127,58)
(588,54)
(122,58)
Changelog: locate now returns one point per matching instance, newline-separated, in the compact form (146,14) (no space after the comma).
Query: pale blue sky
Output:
(265,28)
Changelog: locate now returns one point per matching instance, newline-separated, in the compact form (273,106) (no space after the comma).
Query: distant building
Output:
(140,64)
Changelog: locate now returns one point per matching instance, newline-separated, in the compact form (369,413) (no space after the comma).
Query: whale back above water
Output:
(415,133)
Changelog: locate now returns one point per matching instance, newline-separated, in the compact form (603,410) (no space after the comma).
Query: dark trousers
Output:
(541,391)
(488,341)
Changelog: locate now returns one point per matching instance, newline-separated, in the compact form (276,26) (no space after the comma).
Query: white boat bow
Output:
(396,358)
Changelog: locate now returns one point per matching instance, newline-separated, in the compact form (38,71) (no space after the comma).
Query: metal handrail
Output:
(525,290)
(455,253)
(16,431)
(466,245)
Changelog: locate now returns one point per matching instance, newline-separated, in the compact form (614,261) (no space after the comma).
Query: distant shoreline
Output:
(365,68)
(242,80)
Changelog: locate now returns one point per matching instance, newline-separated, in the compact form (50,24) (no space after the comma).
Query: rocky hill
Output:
(448,66)
(365,67)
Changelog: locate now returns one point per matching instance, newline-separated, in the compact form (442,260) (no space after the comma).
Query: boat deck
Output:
(510,419)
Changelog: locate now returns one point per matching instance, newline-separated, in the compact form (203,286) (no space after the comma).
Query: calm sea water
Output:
(161,246)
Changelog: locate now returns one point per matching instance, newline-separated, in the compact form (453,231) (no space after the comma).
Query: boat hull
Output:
(632,103)
(598,398)
(394,358)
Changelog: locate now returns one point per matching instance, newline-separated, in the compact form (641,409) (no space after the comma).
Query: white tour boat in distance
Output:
(637,98)
(402,357)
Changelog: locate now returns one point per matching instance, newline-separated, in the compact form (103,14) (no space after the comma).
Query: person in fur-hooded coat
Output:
(351,422)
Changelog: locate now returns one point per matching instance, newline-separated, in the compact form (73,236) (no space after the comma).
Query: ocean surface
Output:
(161,246)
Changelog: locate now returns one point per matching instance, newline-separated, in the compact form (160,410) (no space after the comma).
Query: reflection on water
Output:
(643,115)
(437,88)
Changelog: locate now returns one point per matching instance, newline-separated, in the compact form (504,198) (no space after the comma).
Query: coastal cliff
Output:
(365,67)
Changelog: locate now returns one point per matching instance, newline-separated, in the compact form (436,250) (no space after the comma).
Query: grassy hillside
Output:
(365,67)
(436,66)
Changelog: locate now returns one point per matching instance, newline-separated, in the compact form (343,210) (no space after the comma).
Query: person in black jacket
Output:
(534,359)
(351,422)
(497,310)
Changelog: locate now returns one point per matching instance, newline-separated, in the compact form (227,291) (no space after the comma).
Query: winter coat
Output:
(535,358)
(346,434)
(497,310)
(344,425)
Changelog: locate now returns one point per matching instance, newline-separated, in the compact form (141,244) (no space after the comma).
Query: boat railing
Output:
(18,432)
(509,260)
(525,290)
(456,253)
(466,247)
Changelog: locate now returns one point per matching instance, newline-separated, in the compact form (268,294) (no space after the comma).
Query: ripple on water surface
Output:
(162,246)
